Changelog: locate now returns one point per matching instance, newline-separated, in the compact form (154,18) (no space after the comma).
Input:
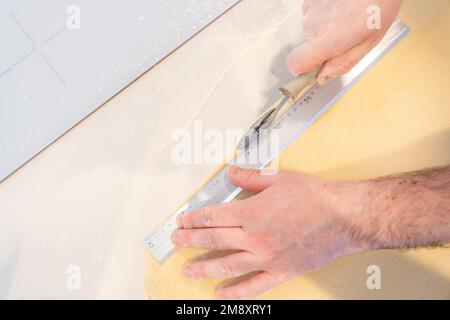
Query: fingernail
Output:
(233,170)
(327,76)
(324,80)
(189,272)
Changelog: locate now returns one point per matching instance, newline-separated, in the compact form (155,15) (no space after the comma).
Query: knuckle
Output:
(252,240)
(264,245)
(251,213)
(264,241)
(210,240)
(207,216)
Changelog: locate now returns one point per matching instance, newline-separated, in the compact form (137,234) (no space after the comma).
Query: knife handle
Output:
(297,87)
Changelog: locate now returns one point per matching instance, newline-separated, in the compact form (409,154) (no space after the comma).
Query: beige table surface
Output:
(395,119)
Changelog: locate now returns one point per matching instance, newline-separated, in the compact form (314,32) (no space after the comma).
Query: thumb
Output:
(251,179)
(306,57)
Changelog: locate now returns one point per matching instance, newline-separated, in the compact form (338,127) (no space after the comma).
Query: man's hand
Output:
(337,34)
(298,223)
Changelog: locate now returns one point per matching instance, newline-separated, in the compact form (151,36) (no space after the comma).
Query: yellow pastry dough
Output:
(397,118)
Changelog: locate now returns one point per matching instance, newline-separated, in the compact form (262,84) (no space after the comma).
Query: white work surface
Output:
(52,76)
(90,199)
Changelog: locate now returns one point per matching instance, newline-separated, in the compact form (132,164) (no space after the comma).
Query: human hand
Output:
(295,224)
(337,33)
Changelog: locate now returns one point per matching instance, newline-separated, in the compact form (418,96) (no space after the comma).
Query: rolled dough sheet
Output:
(384,125)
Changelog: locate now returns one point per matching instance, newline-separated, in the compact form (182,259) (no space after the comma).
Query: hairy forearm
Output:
(407,211)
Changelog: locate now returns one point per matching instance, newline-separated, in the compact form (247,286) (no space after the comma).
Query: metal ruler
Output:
(289,126)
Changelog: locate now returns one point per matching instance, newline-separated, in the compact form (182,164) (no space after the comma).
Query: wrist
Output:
(400,212)
(360,214)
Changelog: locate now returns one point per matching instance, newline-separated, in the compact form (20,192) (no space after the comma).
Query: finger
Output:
(251,179)
(211,238)
(306,57)
(341,64)
(230,266)
(254,286)
(220,215)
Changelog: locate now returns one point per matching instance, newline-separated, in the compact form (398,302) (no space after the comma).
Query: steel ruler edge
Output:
(290,125)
